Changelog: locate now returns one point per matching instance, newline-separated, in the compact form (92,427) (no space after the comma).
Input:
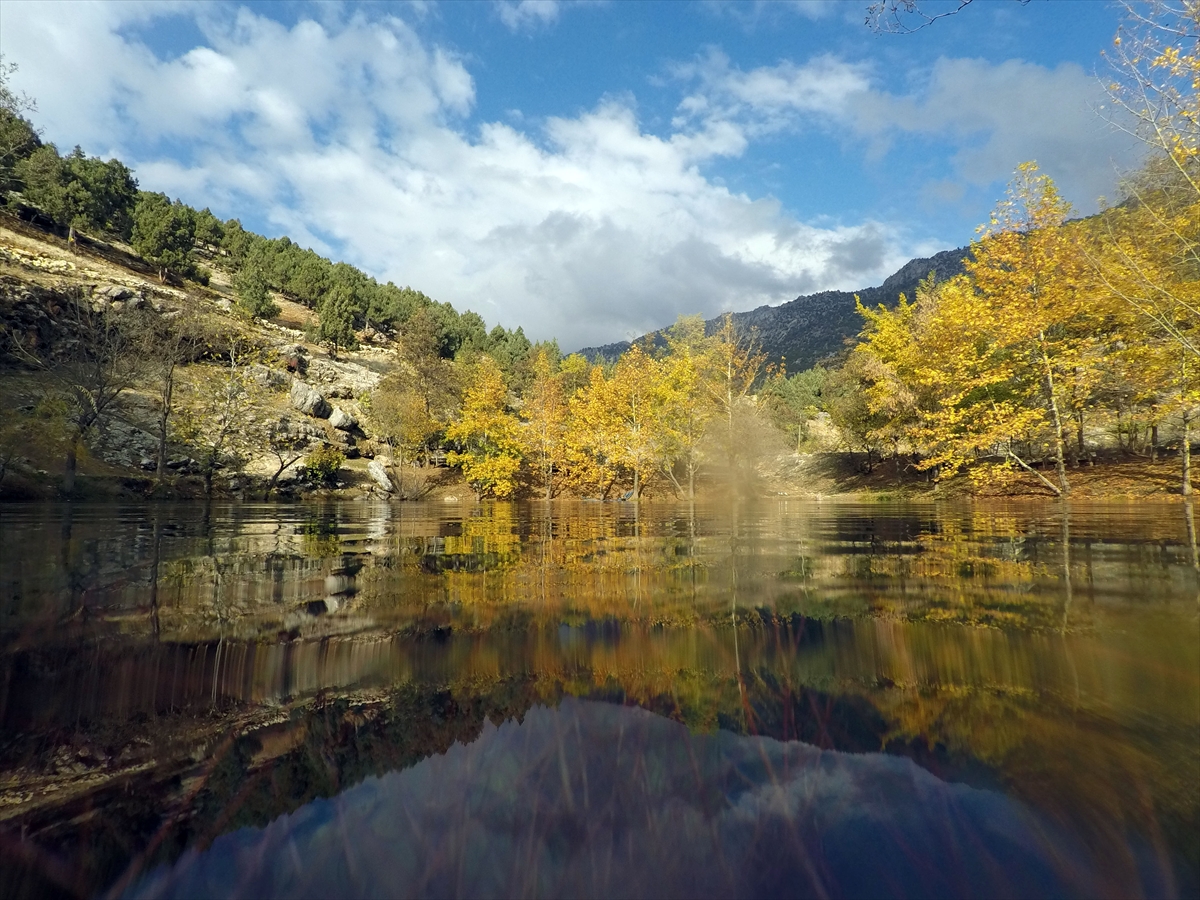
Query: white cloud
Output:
(527,14)
(769,98)
(994,115)
(751,14)
(1004,114)
(350,134)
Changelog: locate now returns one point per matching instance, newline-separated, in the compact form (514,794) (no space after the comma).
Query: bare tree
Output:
(907,16)
(218,422)
(287,448)
(92,361)
(167,343)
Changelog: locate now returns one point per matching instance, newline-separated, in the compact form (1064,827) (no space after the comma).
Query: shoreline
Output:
(813,476)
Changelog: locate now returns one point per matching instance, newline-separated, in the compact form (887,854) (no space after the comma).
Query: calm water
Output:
(781,699)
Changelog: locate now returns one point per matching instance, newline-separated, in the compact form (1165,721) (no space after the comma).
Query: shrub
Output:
(321,466)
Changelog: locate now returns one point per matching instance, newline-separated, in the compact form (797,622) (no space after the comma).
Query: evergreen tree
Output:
(336,328)
(163,233)
(18,137)
(254,299)
(209,229)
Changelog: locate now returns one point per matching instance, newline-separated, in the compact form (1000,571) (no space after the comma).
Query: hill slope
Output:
(815,326)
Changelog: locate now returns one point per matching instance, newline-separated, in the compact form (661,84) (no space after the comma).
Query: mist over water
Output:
(595,699)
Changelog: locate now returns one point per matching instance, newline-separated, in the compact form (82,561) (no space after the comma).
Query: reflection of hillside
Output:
(1133,674)
(229,667)
(308,718)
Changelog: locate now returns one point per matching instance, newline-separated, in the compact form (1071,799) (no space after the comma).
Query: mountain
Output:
(816,326)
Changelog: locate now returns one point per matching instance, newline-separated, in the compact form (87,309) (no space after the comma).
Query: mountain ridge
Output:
(814,327)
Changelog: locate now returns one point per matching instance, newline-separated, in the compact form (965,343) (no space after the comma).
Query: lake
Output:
(599,699)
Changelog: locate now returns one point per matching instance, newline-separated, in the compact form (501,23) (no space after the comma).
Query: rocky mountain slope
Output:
(299,398)
(814,327)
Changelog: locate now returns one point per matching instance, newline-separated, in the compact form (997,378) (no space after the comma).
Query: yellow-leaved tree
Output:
(732,366)
(488,434)
(884,363)
(686,404)
(1034,279)
(977,395)
(545,415)
(617,432)
(1149,253)
(591,445)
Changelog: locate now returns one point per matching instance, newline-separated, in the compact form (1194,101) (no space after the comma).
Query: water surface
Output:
(583,699)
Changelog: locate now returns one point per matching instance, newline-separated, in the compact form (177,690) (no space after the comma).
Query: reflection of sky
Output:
(591,799)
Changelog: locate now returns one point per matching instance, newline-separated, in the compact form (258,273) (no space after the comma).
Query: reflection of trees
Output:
(665,565)
(981,705)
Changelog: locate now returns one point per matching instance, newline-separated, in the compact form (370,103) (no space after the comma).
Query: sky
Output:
(588,171)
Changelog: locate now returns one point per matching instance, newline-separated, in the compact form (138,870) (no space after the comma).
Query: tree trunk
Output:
(1190,516)
(1032,471)
(68,482)
(691,469)
(1185,453)
(164,415)
(1060,462)
(637,481)
(1079,434)
(1154,442)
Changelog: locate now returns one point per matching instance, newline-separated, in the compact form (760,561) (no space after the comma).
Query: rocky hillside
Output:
(288,397)
(814,327)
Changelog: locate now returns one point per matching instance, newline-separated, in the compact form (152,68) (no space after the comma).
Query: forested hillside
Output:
(86,198)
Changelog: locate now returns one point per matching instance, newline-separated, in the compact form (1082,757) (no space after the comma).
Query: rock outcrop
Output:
(342,420)
(341,378)
(378,471)
(308,400)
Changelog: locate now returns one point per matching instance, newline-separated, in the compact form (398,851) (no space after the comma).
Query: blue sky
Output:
(588,171)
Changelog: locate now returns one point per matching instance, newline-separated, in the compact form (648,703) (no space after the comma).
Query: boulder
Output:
(342,420)
(112,292)
(267,377)
(378,471)
(309,401)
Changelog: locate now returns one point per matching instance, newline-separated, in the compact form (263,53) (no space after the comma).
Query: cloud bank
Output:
(355,135)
